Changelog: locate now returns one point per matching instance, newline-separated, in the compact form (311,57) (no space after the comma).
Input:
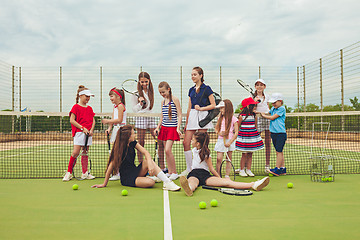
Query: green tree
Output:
(355,103)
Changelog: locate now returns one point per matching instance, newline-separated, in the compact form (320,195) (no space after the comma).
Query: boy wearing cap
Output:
(278,131)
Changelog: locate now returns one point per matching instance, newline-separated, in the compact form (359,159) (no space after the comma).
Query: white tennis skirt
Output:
(79,139)
(145,122)
(114,133)
(220,147)
(193,121)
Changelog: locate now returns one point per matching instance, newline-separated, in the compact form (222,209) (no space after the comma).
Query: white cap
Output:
(260,80)
(86,92)
(221,104)
(275,97)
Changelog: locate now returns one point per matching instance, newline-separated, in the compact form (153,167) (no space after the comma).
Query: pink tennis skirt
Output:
(168,133)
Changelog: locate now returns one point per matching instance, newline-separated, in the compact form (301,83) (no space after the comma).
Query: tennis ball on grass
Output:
(75,187)
(214,203)
(324,179)
(330,179)
(290,185)
(124,192)
(270,175)
(202,205)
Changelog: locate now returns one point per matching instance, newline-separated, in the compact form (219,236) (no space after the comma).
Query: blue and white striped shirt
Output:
(167,122)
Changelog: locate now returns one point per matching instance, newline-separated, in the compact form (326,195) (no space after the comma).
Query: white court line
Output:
(15,155)
(167,217)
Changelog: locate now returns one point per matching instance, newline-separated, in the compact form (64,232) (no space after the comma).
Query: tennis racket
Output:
(85,161)
(230,191)
(130,86)
(247,88)
(227,168)
(156,151)
(108,142)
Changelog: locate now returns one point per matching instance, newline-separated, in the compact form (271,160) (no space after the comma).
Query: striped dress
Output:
(249,139)
(167,122)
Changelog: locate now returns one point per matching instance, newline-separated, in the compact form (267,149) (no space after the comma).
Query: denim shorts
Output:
(278,140)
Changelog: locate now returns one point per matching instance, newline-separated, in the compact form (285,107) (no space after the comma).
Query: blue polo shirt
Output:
(278,125)
(195,97)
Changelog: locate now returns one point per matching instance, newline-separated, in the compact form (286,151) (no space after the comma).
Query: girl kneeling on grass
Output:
(122,158)
(202,166)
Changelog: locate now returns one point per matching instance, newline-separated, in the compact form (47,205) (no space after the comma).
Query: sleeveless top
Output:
(167,122)
(116,115)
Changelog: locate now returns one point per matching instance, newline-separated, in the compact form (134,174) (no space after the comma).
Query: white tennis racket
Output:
(130,86)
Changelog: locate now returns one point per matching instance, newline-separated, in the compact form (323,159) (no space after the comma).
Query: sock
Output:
(163,177)
(188,158)
(84,163)
(71,164)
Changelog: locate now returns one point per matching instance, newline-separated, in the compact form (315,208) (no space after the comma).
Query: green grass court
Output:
(50,209)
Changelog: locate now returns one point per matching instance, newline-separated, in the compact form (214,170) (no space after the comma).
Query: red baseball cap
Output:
(247,101)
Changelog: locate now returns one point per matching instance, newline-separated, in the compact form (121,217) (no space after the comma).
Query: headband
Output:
(114,90)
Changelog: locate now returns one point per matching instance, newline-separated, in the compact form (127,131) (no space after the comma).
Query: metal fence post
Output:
(259,72)
(60,107)
(181,87)
(220,82)
(342,88)
(101,88)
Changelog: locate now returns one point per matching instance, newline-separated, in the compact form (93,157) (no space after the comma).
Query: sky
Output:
(174,33)
(40,36)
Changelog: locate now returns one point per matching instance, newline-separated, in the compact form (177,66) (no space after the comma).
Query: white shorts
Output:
(193,121)
(145,122)
(262,124)
(79,139)
(220,147)
(114,133)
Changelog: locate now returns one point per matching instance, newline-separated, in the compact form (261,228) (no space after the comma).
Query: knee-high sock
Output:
(84,163)
(71,164)
(188,158)
(163,177)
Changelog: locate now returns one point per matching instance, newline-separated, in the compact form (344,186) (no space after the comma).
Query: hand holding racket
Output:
(78,169)
(130,86)
(247,88)
(108,141)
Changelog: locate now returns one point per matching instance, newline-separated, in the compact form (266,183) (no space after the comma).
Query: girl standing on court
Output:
(168,128)
(122,159)
(201,100)
(118,120)
(226,127)
(82,123)
(146,92)
(263,124)
(248,139)
(202,166)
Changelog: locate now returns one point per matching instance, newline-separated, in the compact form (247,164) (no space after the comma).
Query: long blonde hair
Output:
(167,86)
(151,89)
(229,112)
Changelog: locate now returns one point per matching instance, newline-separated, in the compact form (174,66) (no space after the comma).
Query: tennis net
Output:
(38,145)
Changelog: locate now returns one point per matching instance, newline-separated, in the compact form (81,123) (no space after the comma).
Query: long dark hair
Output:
(248,111)
(203,139)
(200,71)
(120,147)
(229,112)
(151,88)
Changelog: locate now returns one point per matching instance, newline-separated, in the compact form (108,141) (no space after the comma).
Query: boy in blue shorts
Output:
(278,131)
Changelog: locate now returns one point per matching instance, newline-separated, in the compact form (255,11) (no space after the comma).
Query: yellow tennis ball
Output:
(324,179)
(124,192)
(214,203)
(202,205)
(290,185)
(330,179)
(75,187)
(270,175)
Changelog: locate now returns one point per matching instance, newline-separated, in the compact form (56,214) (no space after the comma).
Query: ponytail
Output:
(81,87)
(203,139)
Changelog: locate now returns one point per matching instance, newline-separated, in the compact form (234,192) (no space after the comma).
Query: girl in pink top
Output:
(226,126)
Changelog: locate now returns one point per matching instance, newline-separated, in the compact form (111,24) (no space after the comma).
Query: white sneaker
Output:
(242,173)
(237,170)
(171,186)
(167,174)
(87,175)
(114,178)
(67,177)
(185,185)
(249,173)
(155,178)
(173,176)
(267,169)
(184,173)
(260,184)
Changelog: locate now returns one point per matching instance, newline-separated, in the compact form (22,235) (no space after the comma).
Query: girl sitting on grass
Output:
(202,166)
